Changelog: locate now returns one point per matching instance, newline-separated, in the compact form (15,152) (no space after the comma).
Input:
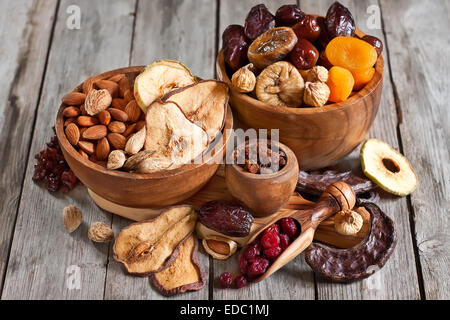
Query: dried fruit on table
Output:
(288,15)
(316,94)
(258,21)
(116,159)
(226,218)
(235,46)
(203,103)
(72,218)
(151,246)
(136,142)
(388,168)
(307,28)
(348,222)
(96,101)
(184,274)
(100,232)
(339,21)
(340,81)
(281,85)
(226,280)
(351,53)
(244,80)
(362,77)
(375,42)
(271,46)
(159,78)
(304,55)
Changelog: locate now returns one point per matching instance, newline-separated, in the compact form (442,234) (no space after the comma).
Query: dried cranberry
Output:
(258,21)
(243,264)
(270,240)
(272,253)
(275,228)
(289,227)
(253,251)
(258,267)
(284,241)
(288,15)
(240,281)
(226,280)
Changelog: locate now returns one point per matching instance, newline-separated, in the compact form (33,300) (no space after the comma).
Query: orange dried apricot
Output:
(340,81)
(351,53)
(362,77)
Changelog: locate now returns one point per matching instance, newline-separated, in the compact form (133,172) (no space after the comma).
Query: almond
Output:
(117,77)
(117,140)
(116,159)
(140,125)
(69,121)
(117,127)
(88,85)
(95,132)
(133,111)
(86,121)
(70,112)
(73,134)
(119,103)
(111,86)
(136,142)
(83,154)
(124,86)
(86,146)
(102,150)
(74,98)
(129,130)
(104,117)
(118,115)
(128,95)
(83,110)
(97,100)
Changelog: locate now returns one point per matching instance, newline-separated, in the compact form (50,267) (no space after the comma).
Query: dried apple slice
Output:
(159,78)
(151,246)
(173,137)
(387,167)
(204,103)
(184,274)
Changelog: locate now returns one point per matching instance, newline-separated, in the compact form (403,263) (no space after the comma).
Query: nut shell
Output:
(72,218)
(96,101)
(219,248)
(100,232)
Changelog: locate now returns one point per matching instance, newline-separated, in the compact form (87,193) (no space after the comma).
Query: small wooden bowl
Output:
(150,190)
(318,136)
(264,194)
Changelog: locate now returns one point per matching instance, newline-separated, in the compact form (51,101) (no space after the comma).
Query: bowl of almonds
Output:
(145,136)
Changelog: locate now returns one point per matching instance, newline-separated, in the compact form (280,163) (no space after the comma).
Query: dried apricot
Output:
(362,77)
(351,53)
(340,81)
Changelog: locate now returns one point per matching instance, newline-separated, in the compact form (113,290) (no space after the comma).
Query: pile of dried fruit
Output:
(293,59)
(169,119)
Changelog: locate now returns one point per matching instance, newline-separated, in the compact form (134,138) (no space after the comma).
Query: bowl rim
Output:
(361,94)
(67,147)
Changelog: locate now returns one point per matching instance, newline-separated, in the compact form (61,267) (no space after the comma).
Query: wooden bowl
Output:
(318,136)
(150,190)
(264,194)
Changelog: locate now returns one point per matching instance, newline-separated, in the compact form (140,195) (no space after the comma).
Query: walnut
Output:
(116,159)
(244,79)
(317,73)
(348,222)
(97,101)
(72,218)
(100,232)
(316,94)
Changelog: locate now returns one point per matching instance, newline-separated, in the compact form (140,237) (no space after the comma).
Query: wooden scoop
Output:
(338,196)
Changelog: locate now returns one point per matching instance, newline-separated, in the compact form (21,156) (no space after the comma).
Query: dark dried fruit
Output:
(272,253)
(243,264)
(235,46)
(275,228)
(258,21)
(240,281)
(339,21)
(270,240)
(324,38)
(289,227)
(257,267)
(323,61)
(226,280)
(375,42)
(288,15)
(227,218)
(253,251)
(284,241)
(307,28)
(304,55)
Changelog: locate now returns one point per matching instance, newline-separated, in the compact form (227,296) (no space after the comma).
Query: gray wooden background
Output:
(41,59)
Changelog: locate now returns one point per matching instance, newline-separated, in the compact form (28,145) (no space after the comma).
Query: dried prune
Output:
(375,42)
(307,28)
(288,15)
(225,217)
(258,21)
(323,38)
(339,21)
(235,46)
(323,61)
(304,55)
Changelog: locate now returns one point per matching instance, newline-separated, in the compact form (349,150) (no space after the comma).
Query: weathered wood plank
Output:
(418,39)
(388,283)
(25,37)
(42,251)
(184,31)
(295,280)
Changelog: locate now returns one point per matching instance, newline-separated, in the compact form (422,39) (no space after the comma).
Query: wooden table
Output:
(41,59)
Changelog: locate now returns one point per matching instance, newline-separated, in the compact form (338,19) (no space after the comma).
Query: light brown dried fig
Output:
(244,80)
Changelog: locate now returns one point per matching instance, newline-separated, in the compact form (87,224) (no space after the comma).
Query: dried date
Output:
(288,15)
(375,42)
(258,21)
(339,21)
(235,46)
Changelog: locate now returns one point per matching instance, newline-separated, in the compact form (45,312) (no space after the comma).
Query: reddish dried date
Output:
(227,218)
(288,15)
(304,55)
(258,21)
(235,46)
(339,21)
(307,28)
(375,42)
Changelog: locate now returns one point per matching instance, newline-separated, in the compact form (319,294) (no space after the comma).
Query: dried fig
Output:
(258,21)
(234,46)
(339,21)
(271,46)
(281,85)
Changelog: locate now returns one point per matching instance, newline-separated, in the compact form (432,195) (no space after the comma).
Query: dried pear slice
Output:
(204,103)
(159,78)
(150,246)
(174,138)
(184,274)
(271,46)
(387,168)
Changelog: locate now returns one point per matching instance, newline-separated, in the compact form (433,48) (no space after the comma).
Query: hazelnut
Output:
(316,94)
(348,222)
(244,79)
(317,73)
(100,232)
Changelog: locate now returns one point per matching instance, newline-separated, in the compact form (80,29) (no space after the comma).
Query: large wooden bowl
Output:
(157,189)
(318,136)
